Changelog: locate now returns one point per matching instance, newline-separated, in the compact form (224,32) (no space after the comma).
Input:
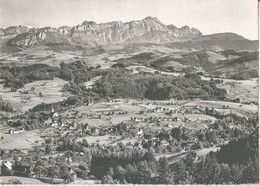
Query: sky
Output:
(209,16)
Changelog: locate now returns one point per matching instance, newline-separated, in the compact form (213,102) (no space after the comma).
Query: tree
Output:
(143,175)
(149,156)
(110,171)
(48,141)
(206,110)
(207,171)
(53,171)
(211,136)
(181,175)
(39,169)
(47,149)
(107,179)
(224,177)
(164,174)
(251,171)
(177,133)
(189,161)
(236,174)
(40,94)
(27,161)
(120,173)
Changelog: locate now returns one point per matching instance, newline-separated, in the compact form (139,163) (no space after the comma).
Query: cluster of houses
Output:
(96,114)
(15,131)
(102,115)
(164,103)
(154,119)
(169,111)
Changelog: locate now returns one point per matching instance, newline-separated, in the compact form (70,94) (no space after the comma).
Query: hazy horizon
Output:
(208,16)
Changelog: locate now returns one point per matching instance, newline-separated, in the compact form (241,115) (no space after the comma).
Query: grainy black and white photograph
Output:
(129,92)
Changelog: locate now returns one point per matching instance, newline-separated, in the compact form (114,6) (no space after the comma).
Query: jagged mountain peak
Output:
(88,23)
(150,18)
(148,30)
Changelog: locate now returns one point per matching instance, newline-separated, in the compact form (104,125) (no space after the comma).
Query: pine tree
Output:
(181,175)
(164,174)
(107,179)
(236,174)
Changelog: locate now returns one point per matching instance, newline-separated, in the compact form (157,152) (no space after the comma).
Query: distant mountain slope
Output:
(89,33)
(243,67)
(217,42)
(14,30)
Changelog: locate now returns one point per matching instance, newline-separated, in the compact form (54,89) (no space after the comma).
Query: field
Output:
(22,141)
(23,180)
(100,139)
(51,90)
(237,108)
(137,69)
(245,90)
(158,48)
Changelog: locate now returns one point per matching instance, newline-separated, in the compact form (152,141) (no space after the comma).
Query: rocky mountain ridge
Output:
(89,33)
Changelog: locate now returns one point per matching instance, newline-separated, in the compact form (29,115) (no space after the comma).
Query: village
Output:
(133,123)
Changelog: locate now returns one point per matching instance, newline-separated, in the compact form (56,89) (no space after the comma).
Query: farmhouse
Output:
(6,167)
(11,131)
(137,119)
(7,164)
(21,170)
(140,132)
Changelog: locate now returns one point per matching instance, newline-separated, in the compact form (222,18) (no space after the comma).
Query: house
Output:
(55,115)
(68,160)
(98,116)
(170,119)
(164,143)
(48,121)
(137,119)
(159,109)
(159,119)
(21,170)
(11,131)
(6,168)
(140,132)
(54,124)
(169,125)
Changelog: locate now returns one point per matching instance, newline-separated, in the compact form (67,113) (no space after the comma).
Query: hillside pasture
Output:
(237,108)
(102,140)
(22,180)
(22,141)
(137,69)
(29,96)
(245,90)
